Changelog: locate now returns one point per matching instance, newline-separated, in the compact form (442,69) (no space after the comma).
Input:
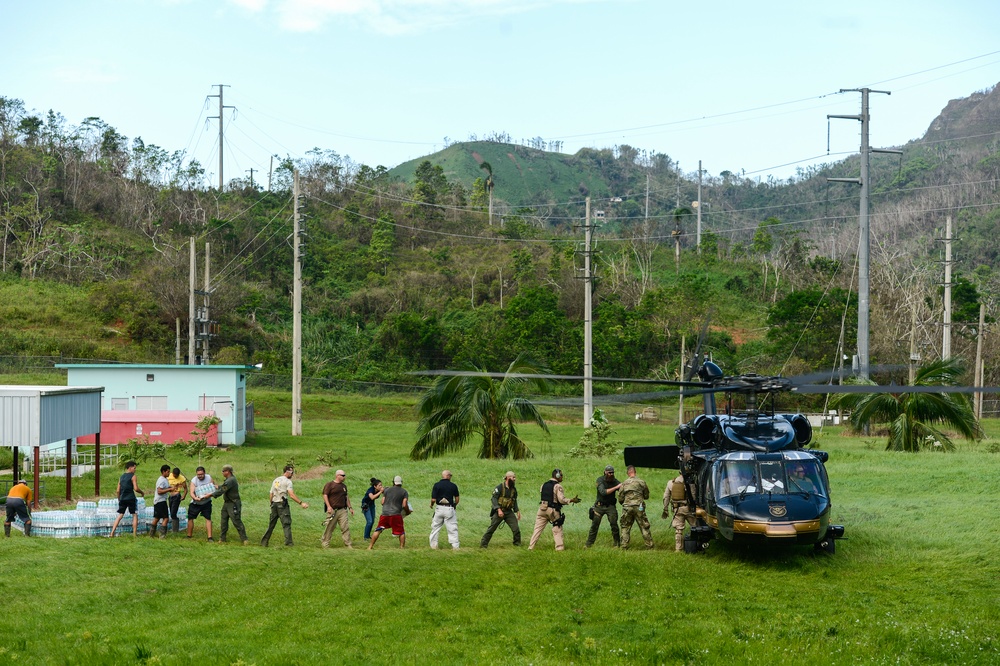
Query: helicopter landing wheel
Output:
(827,546)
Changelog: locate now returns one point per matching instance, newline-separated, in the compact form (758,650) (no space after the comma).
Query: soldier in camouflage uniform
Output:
(633,495)
(504,509)
(674,496)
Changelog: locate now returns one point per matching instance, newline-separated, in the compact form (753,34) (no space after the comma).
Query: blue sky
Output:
(741,86)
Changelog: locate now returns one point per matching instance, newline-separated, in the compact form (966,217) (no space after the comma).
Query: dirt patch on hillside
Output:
(740,335)
(315,473)
(514,160)
(479,158)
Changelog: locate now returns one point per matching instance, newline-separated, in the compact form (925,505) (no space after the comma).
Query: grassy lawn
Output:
(915,583)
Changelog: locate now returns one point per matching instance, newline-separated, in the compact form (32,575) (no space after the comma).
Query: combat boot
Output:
(6,530)
(175,525)
(27,529)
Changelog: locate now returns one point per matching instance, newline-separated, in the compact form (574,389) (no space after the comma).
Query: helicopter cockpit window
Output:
(804,477)
(772,476)
(737,476)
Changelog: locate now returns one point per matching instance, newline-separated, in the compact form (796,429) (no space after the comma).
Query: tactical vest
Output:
(505,501)
(677,491)
(548,494)
(606,500)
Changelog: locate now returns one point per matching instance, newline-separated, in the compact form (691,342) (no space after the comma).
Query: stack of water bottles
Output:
(92,519)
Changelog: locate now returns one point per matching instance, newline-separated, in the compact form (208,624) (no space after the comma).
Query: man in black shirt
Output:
(444,499)
(607,486)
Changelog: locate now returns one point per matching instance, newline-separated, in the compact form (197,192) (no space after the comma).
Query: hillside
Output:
(403,272)
(523,176)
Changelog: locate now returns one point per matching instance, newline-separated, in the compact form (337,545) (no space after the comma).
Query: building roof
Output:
(35,415)
(25,391)
(153,366)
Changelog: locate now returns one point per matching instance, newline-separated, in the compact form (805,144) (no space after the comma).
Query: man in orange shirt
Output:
(17,505)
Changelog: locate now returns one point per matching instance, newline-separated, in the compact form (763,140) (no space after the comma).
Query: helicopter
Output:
(748,473)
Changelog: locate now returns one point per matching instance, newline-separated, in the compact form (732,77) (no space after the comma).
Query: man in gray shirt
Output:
(395,503)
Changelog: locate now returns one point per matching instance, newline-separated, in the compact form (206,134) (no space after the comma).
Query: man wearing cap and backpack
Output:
(395,502)
(607,486)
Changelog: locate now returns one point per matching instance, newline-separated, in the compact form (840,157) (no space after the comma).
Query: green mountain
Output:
(523,176)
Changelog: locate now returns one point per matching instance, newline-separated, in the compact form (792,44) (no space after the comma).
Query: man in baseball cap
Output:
(607,486)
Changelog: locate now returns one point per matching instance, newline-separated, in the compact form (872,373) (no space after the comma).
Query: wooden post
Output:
(34,502)
(17,470)
(97,464)
(69,469)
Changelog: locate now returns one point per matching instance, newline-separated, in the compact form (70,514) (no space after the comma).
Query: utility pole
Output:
(588,324)
(980,332)
(698,235)
(647,198)
(251,170)
(222,106)
(683,377)
(946,325)
(177,347)
(192,275)
(206,319)
(296,314)
(865,243)
(270,172)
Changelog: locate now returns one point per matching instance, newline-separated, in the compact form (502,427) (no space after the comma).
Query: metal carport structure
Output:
(34,416)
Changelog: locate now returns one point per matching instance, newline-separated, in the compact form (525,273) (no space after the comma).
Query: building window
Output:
(150,402)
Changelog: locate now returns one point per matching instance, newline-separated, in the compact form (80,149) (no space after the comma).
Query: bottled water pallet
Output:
(92,519)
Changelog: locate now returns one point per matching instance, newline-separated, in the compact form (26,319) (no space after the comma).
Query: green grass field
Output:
(915,583)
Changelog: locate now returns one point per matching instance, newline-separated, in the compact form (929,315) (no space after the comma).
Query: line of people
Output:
(172,488)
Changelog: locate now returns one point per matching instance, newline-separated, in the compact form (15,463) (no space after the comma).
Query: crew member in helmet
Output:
(550,510)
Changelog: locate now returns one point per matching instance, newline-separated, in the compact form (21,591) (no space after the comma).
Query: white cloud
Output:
(393,16)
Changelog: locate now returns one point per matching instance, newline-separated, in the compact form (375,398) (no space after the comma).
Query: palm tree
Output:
(457,407)
(489,185)
(913,417)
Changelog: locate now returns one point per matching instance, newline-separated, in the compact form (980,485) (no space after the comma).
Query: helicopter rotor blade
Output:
(892,388)
(521,375)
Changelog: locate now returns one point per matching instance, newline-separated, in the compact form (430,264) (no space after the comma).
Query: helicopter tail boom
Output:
(657,457)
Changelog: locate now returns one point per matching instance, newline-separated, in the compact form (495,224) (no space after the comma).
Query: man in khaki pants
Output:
(550,510)
(338,504)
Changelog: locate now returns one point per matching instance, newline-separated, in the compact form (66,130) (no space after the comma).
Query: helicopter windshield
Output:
(737,476)
(804,477)
(772,476)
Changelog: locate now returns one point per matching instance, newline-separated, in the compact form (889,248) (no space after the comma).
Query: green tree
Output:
(913,417)
(488,184)
(456,408)
(807,323)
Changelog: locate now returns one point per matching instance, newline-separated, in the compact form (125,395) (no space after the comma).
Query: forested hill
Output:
(404,270)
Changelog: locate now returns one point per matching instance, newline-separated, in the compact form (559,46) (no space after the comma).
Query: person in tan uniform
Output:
(550,510)
(675,497)
(633,495)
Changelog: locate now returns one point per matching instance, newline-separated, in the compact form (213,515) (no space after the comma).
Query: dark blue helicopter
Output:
(749,475)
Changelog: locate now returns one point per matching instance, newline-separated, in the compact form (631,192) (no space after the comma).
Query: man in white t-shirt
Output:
(161,510)
(281,490)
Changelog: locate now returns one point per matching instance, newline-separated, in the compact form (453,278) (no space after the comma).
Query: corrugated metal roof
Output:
(36,415)
(154,366)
